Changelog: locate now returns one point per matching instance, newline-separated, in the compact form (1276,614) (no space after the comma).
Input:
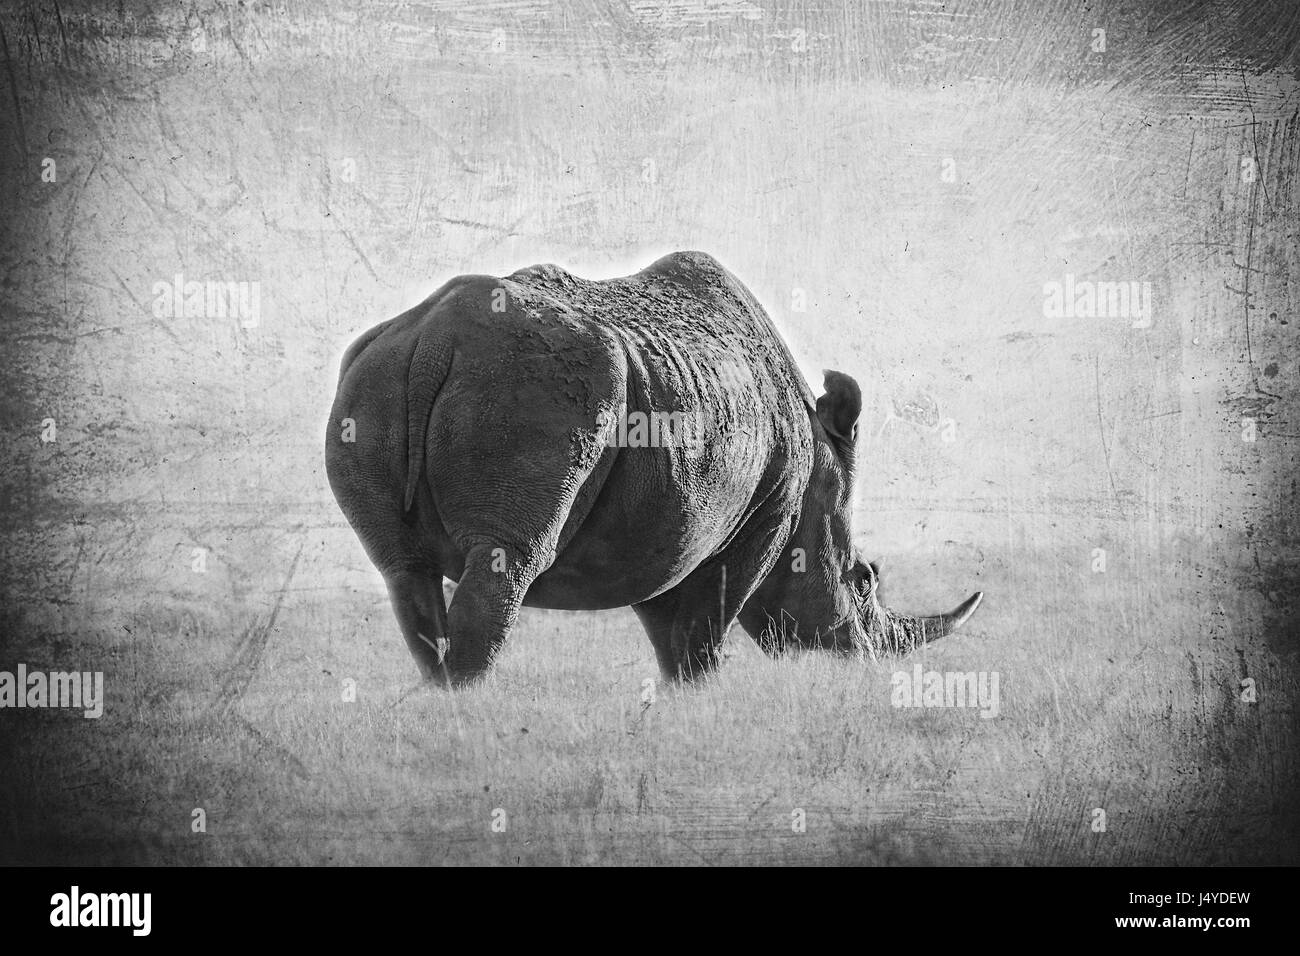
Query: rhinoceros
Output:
(645,441)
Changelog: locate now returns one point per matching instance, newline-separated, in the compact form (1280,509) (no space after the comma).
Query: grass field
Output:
(1132,707)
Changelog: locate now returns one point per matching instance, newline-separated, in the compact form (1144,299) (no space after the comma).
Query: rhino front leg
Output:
(657,616)
(688,624)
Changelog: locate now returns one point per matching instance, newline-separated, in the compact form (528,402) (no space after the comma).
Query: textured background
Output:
(896,181)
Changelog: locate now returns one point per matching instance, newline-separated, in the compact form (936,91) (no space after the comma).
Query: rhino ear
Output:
(840,407)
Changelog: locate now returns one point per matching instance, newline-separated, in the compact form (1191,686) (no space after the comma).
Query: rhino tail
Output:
(430,362)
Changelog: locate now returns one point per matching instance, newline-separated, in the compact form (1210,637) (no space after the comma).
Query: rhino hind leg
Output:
(484,609)
(421,610)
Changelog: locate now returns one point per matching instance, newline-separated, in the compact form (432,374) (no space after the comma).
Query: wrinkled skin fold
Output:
(496,434)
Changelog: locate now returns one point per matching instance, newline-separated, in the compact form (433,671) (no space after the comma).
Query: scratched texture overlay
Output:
(925,195)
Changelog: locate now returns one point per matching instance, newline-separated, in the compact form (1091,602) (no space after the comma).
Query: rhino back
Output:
(687,319)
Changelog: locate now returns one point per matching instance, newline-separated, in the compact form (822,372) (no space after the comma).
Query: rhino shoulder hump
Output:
(688,262)
(545,272)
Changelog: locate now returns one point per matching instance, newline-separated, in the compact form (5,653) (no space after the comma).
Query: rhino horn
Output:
(943,624)
(903,632)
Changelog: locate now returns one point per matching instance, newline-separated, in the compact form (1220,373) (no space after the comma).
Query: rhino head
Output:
(821,593)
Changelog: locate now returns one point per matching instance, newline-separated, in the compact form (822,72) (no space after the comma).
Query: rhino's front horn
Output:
(904,632)
(942,625)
